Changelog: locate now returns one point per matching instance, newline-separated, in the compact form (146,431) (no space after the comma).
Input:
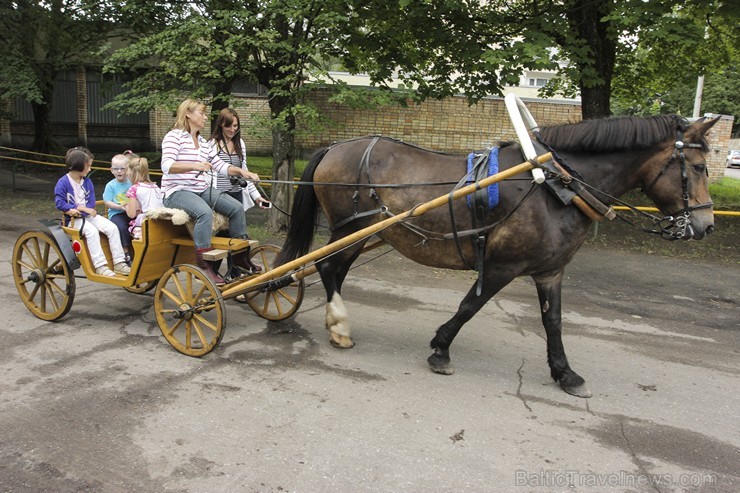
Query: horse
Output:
(531,232)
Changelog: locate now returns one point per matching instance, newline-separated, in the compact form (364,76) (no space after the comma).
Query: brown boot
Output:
(242,260)
(207,267)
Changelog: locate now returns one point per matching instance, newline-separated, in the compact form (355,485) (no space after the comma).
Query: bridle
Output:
(677,225)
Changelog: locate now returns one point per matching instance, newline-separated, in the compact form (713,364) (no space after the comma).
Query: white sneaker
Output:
(122,268)
(105,271)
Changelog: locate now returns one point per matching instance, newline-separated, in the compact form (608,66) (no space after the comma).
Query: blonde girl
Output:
(143,195)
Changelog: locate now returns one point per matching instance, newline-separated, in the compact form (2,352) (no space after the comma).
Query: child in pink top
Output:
(144,195)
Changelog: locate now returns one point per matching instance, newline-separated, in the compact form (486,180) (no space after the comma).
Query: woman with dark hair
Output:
(188,166)
(226,138)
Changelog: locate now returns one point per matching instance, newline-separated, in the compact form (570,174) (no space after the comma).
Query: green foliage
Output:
(725,194)
(40,39)
(675,44)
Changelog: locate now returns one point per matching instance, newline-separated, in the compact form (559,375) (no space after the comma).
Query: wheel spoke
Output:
(205,322)
(285,295)
(24,264)
(34,260)
(33,292)
(171,296)
(171,330)
(188,333)
(202,289)
(199,332)
(53,285)
(278,304)
(51,297)
(178,284)
(45,256)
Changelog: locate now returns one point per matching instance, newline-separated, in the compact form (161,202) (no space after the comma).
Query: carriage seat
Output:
(180,217)
(221,246)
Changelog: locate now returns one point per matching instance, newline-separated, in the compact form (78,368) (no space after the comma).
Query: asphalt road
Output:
(732,172)
(99,402)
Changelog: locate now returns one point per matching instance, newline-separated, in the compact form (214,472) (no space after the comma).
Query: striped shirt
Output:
(178,146)
(223,183)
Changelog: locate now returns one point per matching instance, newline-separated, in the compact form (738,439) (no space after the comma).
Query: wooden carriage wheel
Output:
(42,276)
(190,310)
(274,303)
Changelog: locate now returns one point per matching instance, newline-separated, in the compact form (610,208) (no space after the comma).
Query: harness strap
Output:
(364,165)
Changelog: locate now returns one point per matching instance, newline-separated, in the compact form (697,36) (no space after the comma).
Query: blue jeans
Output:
(198,206)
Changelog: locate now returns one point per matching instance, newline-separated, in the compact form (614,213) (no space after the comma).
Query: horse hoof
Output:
(578,391)
(341,342)
(439,365)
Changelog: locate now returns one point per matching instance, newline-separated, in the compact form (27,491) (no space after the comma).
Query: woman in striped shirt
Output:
(189,165)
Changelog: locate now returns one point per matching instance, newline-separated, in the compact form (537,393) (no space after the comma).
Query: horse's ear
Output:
(703,124)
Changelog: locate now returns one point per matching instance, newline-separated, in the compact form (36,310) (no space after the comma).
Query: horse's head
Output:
(676,179)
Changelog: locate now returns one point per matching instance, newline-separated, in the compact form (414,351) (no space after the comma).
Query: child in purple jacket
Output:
(75,196)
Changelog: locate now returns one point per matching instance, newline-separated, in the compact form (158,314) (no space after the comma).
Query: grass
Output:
(262,165)
(726,194)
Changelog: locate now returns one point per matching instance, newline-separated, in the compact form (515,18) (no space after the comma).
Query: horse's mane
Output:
(613,134)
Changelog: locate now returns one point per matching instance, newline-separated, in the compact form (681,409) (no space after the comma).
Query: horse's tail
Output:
(302,215)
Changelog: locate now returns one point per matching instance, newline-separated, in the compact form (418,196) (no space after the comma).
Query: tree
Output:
(656,77)
(209,44)
(40,40)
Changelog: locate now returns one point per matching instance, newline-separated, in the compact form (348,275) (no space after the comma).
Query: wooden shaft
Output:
(297,276)
(379,226)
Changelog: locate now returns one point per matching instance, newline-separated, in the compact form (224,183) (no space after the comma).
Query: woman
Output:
(188,166)
(226,138)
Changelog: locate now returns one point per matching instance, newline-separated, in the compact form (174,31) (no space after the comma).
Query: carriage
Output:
(535,231)
(189,307)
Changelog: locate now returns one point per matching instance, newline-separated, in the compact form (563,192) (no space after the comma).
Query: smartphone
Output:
(268,205)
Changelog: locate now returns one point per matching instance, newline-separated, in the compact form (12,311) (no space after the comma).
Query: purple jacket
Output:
(64,194)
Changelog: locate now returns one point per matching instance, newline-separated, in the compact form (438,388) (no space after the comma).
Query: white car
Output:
(733,159)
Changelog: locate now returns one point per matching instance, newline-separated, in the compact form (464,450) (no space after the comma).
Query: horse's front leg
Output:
(549,289)
(439,361)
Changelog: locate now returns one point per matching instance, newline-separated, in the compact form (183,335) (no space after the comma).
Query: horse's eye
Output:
(701,168)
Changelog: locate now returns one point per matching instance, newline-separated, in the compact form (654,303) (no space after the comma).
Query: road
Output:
(99,402)
(732,173)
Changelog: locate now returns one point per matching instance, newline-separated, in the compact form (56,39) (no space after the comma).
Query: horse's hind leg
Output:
(333,270)
(549,293)
(439,361)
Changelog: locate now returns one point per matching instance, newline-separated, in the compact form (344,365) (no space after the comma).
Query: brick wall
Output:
(253,112)
(448,125)
(719,146)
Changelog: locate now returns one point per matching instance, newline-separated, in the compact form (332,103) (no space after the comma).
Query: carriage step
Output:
(215,254)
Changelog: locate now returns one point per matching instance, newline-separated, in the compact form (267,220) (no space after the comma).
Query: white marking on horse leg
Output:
(545,306)
(337,320)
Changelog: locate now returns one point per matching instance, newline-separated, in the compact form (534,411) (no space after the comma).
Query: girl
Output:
(74,195)
(143,195)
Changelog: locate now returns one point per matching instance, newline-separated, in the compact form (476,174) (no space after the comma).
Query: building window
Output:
(537,82)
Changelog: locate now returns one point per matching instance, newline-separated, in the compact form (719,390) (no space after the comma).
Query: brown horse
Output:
(530,233)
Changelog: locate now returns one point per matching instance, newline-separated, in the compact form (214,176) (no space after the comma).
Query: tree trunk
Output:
(585,19)
(42,129)
(283,169)
(42,138)
(221,92)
